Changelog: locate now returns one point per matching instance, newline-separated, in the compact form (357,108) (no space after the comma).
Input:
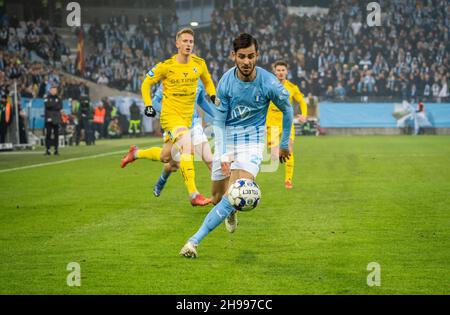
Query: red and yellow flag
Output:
(80,52)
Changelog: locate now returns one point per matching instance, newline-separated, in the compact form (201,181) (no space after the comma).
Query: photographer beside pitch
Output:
(243,98)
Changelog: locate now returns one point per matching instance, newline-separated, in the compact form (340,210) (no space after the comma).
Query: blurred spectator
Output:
(339,91)
(83,117)
(313,102)
(114,130)
(108,115)
(135,119)
(5,117)
(99,119)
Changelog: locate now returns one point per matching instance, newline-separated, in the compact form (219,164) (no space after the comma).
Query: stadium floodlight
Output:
(194,24)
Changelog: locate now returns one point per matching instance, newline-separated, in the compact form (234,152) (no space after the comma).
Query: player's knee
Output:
(216,197)
(174,167)
(164,157)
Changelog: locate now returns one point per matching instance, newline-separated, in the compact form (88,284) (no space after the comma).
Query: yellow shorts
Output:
(174,127)
(274,135)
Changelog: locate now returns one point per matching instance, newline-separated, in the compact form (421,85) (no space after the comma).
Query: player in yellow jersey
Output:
(274,120)
(179,75)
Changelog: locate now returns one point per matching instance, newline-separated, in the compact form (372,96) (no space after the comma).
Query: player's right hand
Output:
(225,167)
(284,155)
(225,164)
(301,119)
(149,111)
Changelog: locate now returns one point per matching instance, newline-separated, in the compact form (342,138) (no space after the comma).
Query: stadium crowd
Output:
(334,56)
(30,54)
(124,51)
(338,54)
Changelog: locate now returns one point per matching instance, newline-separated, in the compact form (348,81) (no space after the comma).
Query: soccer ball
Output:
(244,194)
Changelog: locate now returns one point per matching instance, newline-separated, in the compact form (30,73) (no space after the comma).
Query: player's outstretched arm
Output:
(157,99)
(153,76)
(208,83)
(207,107)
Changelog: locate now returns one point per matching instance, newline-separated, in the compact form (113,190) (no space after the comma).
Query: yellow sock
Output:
(289,169)
(153,154)
(188,172)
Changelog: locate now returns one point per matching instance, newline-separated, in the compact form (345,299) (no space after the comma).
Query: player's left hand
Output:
(149,111)
(284,155)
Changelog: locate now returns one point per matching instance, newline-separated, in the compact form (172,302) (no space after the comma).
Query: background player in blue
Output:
(243,98)
(199,139)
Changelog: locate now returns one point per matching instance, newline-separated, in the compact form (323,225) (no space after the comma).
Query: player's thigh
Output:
(184,143)
(166,152)
(218,189)
(273,133)
(247,160)
(206,152)
(239,173)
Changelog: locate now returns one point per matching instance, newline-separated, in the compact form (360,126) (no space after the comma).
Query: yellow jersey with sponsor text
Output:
(179,88)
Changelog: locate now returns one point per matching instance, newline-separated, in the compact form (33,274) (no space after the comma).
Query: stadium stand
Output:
(335,56)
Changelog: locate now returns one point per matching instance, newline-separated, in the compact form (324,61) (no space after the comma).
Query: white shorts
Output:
(197,134)
(247,157)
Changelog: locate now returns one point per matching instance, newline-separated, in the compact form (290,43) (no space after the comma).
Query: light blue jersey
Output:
(199,100)
(242,109)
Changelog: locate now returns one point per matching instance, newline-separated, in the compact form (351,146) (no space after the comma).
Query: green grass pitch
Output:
(355,200)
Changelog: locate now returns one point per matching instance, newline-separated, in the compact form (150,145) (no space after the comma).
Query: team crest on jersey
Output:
(240,112)
(195,70)
(284,93)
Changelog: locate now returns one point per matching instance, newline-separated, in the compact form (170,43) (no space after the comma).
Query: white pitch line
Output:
(20,153)
(61,162)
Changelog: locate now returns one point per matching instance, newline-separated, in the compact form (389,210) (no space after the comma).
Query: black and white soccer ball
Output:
(244,194)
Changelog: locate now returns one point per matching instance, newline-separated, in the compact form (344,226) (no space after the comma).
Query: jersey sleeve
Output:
(204,104)
(207,80)
(156,74)
(157,99)
(280,97)
(300,99)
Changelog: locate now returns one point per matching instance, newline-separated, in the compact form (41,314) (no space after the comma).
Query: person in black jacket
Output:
(83,116)
(53,105)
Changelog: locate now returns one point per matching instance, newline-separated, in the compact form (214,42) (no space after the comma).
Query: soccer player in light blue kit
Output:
(199,139)
(243,98)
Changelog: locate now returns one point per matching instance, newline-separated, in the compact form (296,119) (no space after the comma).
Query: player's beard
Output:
(247,77)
